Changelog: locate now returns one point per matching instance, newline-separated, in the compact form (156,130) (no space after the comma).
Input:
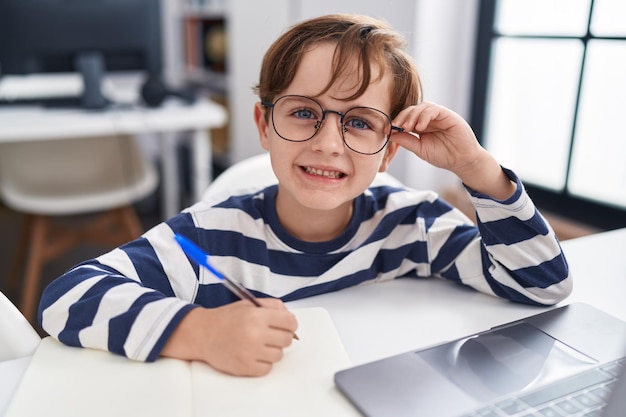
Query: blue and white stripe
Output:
(129,300)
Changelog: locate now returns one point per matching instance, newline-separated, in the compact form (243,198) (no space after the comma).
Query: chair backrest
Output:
(73,176)
(253,172)
(17,336)
(256,172)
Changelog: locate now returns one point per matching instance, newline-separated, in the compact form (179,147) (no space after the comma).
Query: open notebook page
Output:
(299,385)
(65,381)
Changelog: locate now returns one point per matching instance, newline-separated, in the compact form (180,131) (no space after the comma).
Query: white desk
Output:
(379,320)
(37,124)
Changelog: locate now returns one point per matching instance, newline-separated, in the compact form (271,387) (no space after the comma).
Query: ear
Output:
(390,151)
(261,125)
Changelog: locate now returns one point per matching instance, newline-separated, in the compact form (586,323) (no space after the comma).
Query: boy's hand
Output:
(444,139)
(238,338)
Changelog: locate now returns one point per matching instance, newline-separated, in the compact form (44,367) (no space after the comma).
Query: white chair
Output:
(253,172)
(47,180)
(17,337)
(256,172)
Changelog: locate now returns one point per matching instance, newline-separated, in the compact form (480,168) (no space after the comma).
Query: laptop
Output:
(557,363)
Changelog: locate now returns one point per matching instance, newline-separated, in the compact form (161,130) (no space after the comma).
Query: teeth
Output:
(323,173)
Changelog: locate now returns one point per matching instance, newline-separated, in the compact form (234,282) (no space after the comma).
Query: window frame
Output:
(587,211)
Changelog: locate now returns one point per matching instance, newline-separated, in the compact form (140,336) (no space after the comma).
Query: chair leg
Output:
(18,259)
(113,228)
(32,277)
(130,222)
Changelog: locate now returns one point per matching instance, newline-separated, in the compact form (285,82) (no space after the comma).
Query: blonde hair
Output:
(361,40)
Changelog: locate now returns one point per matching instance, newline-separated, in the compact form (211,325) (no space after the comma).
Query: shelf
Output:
(204,40)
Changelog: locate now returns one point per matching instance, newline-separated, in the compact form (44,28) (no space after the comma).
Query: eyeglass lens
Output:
(298,118)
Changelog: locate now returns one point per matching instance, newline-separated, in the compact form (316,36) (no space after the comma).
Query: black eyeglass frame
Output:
(341,115)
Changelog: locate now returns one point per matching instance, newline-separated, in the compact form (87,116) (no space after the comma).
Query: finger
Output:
(404,137)
(271,355)
(408,117)
(258,368)
(402,117)
(414,118)
(277,314)
(281,338)
(429,114)
(409,142)
(285,321)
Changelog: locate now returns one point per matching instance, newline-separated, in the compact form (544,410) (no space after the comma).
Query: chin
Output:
(322,201)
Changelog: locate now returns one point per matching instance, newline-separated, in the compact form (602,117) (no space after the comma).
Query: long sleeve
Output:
(127,301)
(521,258)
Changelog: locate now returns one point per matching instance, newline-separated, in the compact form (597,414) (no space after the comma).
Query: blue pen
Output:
(202,258)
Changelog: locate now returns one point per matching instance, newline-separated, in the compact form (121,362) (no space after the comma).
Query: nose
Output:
(328,140)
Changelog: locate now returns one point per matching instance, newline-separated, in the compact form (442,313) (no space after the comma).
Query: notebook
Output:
(550,364)
(65,381)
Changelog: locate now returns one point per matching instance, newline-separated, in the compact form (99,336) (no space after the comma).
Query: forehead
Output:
(315,71)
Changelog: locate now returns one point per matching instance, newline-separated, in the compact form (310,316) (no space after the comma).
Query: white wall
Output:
(444,52)
(252,27)
(440,34)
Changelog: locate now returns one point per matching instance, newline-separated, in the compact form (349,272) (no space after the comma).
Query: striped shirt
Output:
(129,300)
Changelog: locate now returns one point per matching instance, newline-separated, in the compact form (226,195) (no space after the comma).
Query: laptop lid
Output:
(458,377)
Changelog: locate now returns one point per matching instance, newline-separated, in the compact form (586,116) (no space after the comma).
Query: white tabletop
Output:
(379,320)
(11,372)
(38,123)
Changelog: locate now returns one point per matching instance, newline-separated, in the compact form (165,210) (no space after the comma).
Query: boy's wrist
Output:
(182,343)
(487,177)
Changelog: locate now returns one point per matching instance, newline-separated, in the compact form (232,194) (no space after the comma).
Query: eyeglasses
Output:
(364,130)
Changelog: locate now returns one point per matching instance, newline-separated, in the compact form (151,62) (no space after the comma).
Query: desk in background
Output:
(379,320)
(38,124)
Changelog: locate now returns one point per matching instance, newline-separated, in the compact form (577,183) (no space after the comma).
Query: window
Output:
(550,101)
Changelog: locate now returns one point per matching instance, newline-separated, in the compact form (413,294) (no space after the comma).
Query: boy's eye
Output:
(304,114)
(356,123)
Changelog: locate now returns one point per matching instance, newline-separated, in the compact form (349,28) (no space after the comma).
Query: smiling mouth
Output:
(324,173)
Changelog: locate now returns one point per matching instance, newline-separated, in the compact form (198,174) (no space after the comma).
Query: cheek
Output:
(366,167)
(281,154)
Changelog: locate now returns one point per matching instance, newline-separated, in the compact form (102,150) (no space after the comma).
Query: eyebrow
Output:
(316,98)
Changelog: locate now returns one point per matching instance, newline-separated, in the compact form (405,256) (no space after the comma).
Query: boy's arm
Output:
(95,305)
(513,253)
(516,254)
(138,299)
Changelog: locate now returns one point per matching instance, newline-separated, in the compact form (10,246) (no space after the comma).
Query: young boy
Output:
(338,97)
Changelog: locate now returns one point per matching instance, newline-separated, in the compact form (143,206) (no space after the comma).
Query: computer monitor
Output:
(91,37)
